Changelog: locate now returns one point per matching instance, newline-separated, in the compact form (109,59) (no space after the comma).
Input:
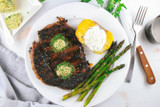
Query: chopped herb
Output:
(27,12)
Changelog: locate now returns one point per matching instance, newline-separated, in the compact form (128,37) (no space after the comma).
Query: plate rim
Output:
(52,10)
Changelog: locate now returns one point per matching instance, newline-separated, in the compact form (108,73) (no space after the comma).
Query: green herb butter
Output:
(59,43)
(64,70)
(13,21)
(7,6)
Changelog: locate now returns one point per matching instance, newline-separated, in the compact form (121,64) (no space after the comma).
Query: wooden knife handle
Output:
(146,66)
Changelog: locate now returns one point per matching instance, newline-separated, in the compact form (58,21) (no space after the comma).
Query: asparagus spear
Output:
(112,61)
(114,45)
(100,73)
(79,86)
(95,81)
(107,55)
(96,88)
(90,85)
(116,58)
(103,65)
(99,84)
(92,94)
(86,92)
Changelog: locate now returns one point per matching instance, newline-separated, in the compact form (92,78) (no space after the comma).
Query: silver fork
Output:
(137,26)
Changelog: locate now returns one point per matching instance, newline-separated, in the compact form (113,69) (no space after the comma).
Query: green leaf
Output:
(116,14)
(116,1)
(85,1)
(100,2)
(118,10)
(42,0)
(110,6)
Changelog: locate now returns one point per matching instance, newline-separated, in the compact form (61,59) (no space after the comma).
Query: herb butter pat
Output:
(59,43)
(7,6)
(64,70)
(95,38)
(13,21)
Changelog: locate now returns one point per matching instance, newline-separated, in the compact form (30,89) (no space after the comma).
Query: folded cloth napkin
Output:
(16,90)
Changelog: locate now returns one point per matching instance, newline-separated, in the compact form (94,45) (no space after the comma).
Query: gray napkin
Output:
(16,90)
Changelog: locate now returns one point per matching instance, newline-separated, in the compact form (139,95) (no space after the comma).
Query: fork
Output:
(137,27)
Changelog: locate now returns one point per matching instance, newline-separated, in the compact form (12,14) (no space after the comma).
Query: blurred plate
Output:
(27,8)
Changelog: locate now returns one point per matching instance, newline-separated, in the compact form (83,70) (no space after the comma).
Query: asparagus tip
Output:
(122,42)
(115,42)
(129,46)
(64,98)
(78,100)
(121,66)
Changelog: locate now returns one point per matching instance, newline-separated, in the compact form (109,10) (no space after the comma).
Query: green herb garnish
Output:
(85,1)
(42,0)
(64,70)
(100,2)
(118,10)
(111,6)
(59,43)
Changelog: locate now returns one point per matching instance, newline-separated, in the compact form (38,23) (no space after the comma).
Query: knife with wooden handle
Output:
(146,66)
(127,25)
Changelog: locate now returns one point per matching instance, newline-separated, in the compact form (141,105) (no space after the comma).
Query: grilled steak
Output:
(44,60)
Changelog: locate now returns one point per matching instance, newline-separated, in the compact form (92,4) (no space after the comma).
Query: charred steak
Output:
(44,60)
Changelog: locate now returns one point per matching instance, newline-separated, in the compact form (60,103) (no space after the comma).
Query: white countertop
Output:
(135,94)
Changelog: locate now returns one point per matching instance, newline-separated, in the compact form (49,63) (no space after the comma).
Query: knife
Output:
(127,25)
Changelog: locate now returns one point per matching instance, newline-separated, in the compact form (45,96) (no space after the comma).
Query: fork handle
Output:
(146,66)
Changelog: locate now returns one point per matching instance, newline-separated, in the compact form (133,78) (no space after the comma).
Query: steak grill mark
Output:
(44,61)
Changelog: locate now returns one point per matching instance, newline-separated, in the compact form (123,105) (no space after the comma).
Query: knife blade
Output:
(127,24)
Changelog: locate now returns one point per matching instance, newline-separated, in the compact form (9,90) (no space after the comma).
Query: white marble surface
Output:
(135,94)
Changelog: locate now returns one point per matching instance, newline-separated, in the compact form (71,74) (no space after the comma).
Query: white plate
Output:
(27,8)
(76,12)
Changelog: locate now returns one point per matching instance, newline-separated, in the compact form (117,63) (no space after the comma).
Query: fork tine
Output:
(138,15)
(141,15)
(144,14)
